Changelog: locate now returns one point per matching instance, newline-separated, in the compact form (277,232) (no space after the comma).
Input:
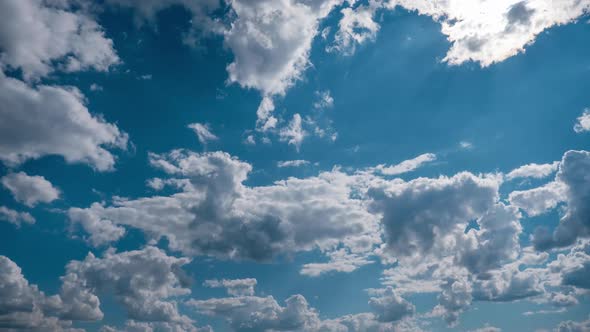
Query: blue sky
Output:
(318,165)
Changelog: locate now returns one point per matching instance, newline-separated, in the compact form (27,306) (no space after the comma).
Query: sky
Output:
(294,165)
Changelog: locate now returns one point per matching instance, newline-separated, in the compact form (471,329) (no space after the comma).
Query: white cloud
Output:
(538,200)
(292,163)
(481,31)
(294,133)
(234,287)
(220,216)
(324,100)
(34,35)
(340,261)
(536,171)
(24,307)
(356,27)
(389,306)
(583,122)
(406,165)
(144,281)
(575,223)
(203,132)
(51,120)
(15,217)
(29,190)
(573,326)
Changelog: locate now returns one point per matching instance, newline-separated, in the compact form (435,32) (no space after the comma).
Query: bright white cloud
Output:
(292,163)
(15,217)
(481,31)
(340,261)
(29,190)
(51,120)
(538,200)
(536,171)
(35,34)
(406,165)
(583,122)
(203,132)
(294,133)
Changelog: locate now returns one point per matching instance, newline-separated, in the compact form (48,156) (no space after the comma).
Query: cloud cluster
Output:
(218,215)
(15,217)
(29,190)
(38,35)
(485,32)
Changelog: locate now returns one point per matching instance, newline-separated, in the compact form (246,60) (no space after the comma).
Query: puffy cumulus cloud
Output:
(256,313)
(15,217)
(340,260)
(38,35)
(537,171)
(481,31)
(29,190)
(390,306)
(51,120)
(538,200)
(220,216)
(203,132)
(508,284)
(406,165)
(294,133)
(492,31)
(426,215)
(144,281)
(23,307)
(573,175)
(495,243)
(573,326)
(101,231)
(253,313)
(135,326)
(234,287)
(453,300)
(271,41)
(573,268)
(583,122)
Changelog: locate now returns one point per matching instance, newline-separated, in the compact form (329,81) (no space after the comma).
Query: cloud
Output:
(38,36)
(220,216)
(538,200)
(29,190)
(485,32)
(422,216)
(253,313)
(583,122)
(234,287)
(51,120)
(294,133)
(203,133)
(573,268)
(324,100)
(143,281)
(573,326)
(271,41)
(256,313)
(390,306)
(340,261)
(406,165)
(536,171)
(453,300)
(15,217)
(575,223)
(356,27)
(23,307)
(292,163)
